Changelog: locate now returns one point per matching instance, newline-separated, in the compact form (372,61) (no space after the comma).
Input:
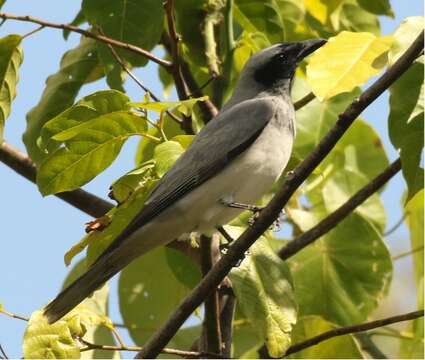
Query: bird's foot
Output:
(236,205)
(277,224)
(225,247)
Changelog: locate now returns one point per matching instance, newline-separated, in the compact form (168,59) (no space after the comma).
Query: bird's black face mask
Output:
(283,63)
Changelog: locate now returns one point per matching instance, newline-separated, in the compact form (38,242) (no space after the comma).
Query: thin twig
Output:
(339,214)
(212,330)
(13,315)
(138,82)
(396,225)
(271,212)
(33,32)
(304,101)
(183,353)
(3,352)
(407,253)
(81,199)
(101,38)
(352,329)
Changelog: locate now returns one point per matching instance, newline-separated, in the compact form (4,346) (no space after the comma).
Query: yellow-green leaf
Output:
(185,106)
(346,61)
(10,59)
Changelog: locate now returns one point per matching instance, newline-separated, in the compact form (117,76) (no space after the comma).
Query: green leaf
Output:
(120,20)
(60,340)
(81,116)
(359,150)
(343,275)
(146,147)
(404,36)
(2,3)
(11,57)
(122,188)
(263,287)
(88,153)
(377,7)
(348,60)
(415,221)
(340,347)
(78,67)
(406,125)
(165,155)
(146,301)
(184,106)
(343,184)
(262,17)
(354,18)
(98,302)
(120,217)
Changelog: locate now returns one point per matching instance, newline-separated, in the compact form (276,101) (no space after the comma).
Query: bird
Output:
(234,159)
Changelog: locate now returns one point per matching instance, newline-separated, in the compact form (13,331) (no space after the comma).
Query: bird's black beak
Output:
(310,46)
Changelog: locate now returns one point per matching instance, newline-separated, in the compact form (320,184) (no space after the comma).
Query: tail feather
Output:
(84,286)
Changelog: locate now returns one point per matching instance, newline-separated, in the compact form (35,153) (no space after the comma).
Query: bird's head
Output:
(272,69)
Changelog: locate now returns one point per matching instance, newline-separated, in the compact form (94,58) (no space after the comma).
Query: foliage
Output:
(338,280)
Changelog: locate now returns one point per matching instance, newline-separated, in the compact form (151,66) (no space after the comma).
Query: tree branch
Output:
(352,329)
(81,199)
(182,353)
(339,214)
(272,210)
(304,101)
(212,331)
(4,355)
(89,34)
(226,322)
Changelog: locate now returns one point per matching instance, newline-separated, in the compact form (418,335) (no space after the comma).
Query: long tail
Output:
(100,272)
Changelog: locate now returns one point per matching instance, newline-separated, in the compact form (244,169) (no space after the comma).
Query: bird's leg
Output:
(237,205)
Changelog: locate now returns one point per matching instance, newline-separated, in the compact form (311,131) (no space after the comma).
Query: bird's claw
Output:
(277,224)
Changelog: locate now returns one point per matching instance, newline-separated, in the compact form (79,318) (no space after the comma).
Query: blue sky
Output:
(37,231)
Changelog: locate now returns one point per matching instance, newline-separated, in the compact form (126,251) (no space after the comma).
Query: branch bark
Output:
(101,38)
(272,210)
(339,214)
(81,199)
(353,329)
(212,332)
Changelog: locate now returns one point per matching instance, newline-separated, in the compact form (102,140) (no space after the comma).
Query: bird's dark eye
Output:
(281,58)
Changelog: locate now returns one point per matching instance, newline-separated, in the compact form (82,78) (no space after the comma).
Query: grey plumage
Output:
(237,157)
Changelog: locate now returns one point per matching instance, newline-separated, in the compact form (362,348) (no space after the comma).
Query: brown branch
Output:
(101,38)
(272,210)
(226,322)
(407,253)
(4,355)
(304,101)
(352,329)
(81,199)
(339,214)
(182,353)
(12,315)
(212,331)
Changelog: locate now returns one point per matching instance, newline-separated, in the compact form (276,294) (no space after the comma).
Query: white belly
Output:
(245,180)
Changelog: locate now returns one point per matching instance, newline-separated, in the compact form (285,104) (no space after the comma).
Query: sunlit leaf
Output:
(11,57)
(263,287)
(340,347)
(404,36)
(88,153)
(346,61)
(354,18)
(343,275)
(78,67)
(98,302)
(185,106)
(322,9)
(73,120)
